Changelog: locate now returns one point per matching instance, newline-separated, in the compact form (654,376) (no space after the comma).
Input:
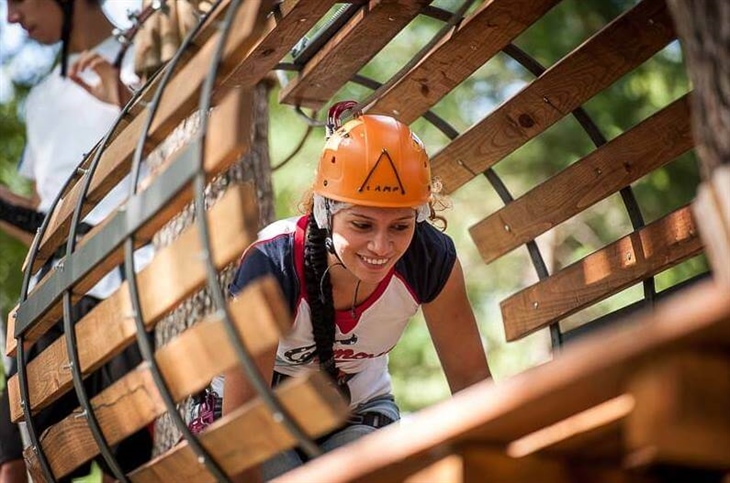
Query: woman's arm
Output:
(455,335)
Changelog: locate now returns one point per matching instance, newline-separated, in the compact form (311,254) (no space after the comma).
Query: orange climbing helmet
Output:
(373,160)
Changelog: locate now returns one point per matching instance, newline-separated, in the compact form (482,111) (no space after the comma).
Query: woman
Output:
(355,269)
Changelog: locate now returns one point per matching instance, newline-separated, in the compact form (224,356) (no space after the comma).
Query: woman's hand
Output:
(109,88)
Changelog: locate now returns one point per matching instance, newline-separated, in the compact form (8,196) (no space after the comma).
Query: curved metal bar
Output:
(68,323)
(590,127)
(27,276)
(143,341)
(262,387)
(29,424)
(83,397)
(296,149)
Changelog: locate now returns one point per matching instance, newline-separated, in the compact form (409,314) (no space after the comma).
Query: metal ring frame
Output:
(261,386)
(72,352)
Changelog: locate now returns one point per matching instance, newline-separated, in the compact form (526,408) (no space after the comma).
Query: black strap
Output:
(26,219)
(370,418)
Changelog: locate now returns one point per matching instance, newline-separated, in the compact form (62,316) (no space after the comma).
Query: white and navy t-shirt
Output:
(362,343)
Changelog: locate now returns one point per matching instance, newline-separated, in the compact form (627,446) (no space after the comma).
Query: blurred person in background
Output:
(67,113)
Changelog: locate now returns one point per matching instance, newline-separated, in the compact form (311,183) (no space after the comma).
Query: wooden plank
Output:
(298,17)
(476,464)
(354,45)
(249,435)
(178,101)
(621,46)
(585,374)
(188,363)
(625,262)
(590,421)
(231,121)
(176,272)
(10,343)
(712,211)
(681,415)
(648,146)
(476,40)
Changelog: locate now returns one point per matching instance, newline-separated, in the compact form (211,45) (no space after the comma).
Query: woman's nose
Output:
(380,243)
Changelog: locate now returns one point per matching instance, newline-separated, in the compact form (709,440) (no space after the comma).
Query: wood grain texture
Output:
(681,416)
(615,165)
(479,463)
(621,46)
(249,435)
(175,272)
(583,375)
(712,211)
(187,363)
(629,260)
(475,40)
(298,17)
(353,46)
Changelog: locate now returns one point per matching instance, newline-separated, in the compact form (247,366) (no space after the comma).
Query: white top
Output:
(63,123)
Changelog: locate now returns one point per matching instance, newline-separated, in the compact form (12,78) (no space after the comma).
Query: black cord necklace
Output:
(353,312)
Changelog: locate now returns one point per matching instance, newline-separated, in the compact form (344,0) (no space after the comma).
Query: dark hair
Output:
(321,304)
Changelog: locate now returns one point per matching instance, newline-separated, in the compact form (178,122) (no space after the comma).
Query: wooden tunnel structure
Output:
(619,406)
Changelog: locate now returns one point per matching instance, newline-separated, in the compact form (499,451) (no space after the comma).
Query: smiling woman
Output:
(354,269)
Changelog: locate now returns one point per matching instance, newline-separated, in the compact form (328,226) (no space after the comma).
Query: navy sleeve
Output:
(428,262)
(273,257)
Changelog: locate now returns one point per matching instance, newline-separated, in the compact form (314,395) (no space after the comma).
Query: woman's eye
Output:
(403,227)
(360,226)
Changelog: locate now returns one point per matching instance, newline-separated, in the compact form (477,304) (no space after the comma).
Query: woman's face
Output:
(42,19)
(369,241)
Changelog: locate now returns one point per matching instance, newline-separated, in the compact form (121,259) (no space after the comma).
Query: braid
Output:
(319,293)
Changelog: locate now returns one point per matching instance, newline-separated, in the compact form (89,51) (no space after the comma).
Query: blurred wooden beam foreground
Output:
(687,337)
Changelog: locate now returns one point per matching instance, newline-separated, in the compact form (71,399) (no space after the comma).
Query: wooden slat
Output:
(361,38)
(298,17)
(188,363)
(712,210)
(231,137)
(627,261)
(583,375)
(249,435)
(648,146)
(176,272)
(621,46)
(579,432)
(682,415)
(476,40)
(178,101)
(10,342)
(476,464)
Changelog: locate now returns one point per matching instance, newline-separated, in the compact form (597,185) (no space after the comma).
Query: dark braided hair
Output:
(321,304)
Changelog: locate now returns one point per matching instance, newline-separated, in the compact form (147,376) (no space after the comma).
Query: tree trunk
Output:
(704,30)
(253,167)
